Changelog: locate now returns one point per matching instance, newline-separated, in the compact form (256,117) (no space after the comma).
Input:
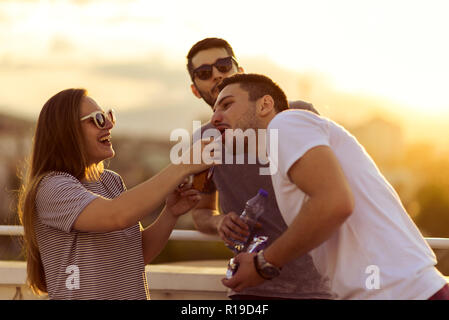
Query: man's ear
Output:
(240,70)
(195,91)
(265,105)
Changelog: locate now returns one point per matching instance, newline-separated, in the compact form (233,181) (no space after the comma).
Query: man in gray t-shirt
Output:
(208,62)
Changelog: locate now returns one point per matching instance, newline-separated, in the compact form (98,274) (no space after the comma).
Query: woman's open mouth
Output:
(106,140)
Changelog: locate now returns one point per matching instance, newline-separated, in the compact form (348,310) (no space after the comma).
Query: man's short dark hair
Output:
(206,44)
(257,86)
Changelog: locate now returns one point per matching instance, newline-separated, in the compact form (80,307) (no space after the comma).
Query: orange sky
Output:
(131,54)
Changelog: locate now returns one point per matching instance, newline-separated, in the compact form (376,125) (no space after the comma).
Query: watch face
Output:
(270,272)
(266,270)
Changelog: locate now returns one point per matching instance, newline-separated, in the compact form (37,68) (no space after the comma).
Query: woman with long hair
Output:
(83,238)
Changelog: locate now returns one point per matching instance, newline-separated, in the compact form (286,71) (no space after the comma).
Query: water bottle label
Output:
(256,244)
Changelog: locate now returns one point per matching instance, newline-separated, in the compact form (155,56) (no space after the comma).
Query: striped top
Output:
(86,265)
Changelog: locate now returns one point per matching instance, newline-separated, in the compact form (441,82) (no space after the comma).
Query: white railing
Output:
(192,235)
(11,230)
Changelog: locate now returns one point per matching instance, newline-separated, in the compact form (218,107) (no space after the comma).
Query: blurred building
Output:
(383,140)
(15,143)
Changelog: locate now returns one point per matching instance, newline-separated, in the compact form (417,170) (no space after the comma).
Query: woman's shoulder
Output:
(55,176)
(114,176)
(56,184)
(111,174)
(58,179)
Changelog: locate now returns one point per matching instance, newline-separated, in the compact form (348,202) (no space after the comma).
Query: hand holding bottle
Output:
(239,230)
(231,227)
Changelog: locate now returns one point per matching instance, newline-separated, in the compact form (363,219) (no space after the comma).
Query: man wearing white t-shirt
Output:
(338,206)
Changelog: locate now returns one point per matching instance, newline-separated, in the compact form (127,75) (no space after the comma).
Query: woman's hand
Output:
(202,155)
(182,200)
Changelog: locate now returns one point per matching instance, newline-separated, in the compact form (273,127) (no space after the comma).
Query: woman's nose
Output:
(109,124)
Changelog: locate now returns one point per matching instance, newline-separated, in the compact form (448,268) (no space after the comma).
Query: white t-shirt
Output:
(378,252)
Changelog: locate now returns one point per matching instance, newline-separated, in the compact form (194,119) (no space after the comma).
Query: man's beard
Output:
(247,121)
(208,98)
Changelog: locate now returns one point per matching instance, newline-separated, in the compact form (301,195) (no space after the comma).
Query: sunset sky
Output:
(389,56)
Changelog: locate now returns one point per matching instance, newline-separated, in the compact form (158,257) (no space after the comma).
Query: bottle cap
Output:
(263,193)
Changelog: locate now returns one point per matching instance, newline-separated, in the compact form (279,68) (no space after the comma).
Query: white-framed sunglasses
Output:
(99,118)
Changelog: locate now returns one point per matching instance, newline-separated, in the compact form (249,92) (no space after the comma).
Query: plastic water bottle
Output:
(253,210)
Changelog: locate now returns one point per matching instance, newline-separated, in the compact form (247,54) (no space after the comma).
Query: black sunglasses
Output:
(223,65)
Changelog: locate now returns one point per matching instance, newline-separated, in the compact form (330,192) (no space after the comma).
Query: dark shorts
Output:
(249,297)
(442,294)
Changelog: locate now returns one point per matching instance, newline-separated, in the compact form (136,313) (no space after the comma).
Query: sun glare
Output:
(390,50)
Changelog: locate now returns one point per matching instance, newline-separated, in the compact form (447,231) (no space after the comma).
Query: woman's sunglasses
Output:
(99,118)
(223,65)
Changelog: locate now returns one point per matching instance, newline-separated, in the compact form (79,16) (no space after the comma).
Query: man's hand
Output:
(230,227)
(246,275)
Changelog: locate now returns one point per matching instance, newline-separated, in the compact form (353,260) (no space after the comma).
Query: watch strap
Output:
(260,262)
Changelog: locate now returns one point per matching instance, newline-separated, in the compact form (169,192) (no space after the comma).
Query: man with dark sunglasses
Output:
(209,61)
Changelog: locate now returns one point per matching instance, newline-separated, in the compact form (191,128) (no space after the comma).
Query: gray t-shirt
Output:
(236,184)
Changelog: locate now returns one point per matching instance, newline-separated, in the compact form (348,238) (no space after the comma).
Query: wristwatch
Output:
(265,269)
